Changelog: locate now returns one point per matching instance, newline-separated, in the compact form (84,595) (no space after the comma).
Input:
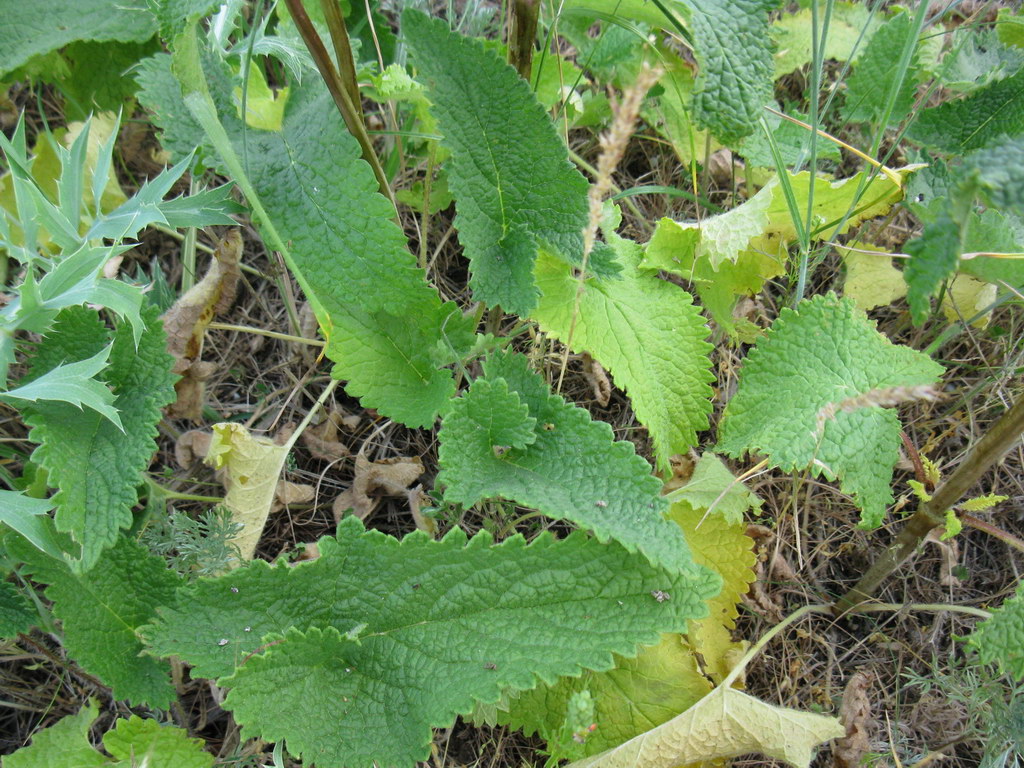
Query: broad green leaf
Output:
(17,614)
(996,172)
(338,235)
(149,744)
(573,469)
(1010,27)
(934,257)
(72,383)
(510,174)
(792,141)
(1000,639)
(134,743)
(725,723)
(714,487)
(95,465)
(962,125)
(850,28)
(673,115)
(733,50)
(666,679)
(160,93)
(646,331)
(398,637)
(65,744)
(824,352)
(101,611)
(31,29)
(99,77)
(251,467)
(993,231)
(978,58)
(874,76)
(871,279)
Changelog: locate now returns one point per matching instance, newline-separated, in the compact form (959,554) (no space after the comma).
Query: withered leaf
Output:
(391,476)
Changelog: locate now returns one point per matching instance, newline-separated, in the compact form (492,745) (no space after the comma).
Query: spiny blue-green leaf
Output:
(360,652)
(733,51)
(647,332)
(959,126)
(38,27)
(100,612)
(933,258)
(149,744)
(875,74)
(17,614)
(510,173)
(65,744)
(74,384)
(1000,639)
(824,352)
(572,470)
(95,466)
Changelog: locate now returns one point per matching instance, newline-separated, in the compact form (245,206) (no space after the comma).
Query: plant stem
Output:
(263,332)
(1004,536)
(349,112)
(522,36)
(987,451)
(343,52)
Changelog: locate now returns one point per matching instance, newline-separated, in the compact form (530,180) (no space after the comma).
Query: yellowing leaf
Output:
(264,108)
(725,723)
(724,547)
(965,297)
(871,279)
(251,467)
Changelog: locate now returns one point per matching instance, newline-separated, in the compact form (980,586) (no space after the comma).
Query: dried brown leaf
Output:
(322,440)
(190,447)
(392,477)
(598,378)
(186,321)
(293,493)
(855,714)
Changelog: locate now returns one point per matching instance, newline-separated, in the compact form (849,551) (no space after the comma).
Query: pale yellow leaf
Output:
(871,279)
(965,297)
(725,723)
(250,468)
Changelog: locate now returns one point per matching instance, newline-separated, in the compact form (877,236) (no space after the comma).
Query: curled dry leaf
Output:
(322,440)
(250,467)
(855,713)
(293,493)
(392,476)
(186,321)
(598,378)
(191,446)
(725,723)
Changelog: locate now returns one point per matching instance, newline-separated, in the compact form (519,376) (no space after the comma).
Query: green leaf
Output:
(933,258)
(28,517)
(646,331)
(825,352)
(95,466)
(65,743)
(979,57)
(733,50)
(325,206)
(101,611)
(509,173)
(17,614)
(72,383)
(572,470)
(353,657)
(850,29)
(1000,639)
(871,279)
(959,126)
(997,174)
(149,744)
(1010,27)
(31,29)
(874,76)
(714,487)
(134,743)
